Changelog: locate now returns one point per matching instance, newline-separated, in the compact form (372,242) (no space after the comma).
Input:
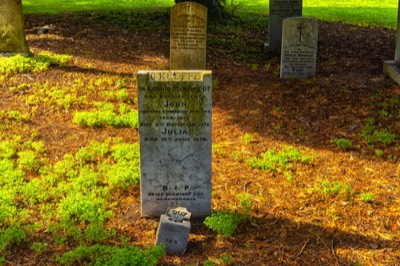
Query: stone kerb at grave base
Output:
(278,11)
(188,36)
(13,54)
(392,67)
(175,109)
(299,47)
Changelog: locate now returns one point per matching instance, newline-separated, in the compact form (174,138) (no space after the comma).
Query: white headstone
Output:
(299,47)
(188,36)
(278,11)
(391,67)
(175,141)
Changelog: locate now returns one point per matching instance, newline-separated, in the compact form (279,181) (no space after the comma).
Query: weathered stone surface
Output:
(12,31)
(175,141)
(178,214)
(299,47)
(278,11)
(188,36)
(174,235)
(392,67)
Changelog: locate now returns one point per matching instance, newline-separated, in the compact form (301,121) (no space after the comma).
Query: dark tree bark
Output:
(12,31)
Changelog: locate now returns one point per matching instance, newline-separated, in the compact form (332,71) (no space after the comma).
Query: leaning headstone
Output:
(175,141)
(278,11)
(12,31)
(299,47)
(173,230)
(188,36)
(392,67)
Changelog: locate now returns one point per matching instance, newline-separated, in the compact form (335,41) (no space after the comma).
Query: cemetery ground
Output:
(315,161)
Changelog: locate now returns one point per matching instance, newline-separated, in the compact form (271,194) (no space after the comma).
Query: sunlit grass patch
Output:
(367,197)
(72,195)
(35,63)
(281,162)
(106,255)
(104,117)
(332,189)
(225,222)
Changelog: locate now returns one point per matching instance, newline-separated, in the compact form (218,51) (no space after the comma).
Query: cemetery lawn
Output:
(318,159)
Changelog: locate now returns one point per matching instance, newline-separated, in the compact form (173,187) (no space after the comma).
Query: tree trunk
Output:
(214,6)
(12,31)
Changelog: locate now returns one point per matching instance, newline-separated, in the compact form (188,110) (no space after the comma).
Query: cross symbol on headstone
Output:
(300,27)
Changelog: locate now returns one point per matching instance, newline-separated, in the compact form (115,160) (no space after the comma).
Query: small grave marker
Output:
(278,11)
(175,141)
(299,47)
(188,36)
(173,230)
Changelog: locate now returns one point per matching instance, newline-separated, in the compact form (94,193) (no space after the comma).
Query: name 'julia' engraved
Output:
(174,132)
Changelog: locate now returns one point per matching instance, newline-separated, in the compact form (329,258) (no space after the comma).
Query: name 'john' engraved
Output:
(174,104)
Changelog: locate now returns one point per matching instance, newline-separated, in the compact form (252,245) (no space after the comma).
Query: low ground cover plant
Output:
(69,191)
(225,222)
(343,143)
(73,196)
(281,162)
(35,63)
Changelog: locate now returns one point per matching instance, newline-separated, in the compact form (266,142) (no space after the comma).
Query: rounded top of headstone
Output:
(178,214)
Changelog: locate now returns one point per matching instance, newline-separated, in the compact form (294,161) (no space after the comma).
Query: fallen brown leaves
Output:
(291,225)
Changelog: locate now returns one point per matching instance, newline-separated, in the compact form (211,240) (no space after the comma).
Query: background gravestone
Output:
(278,11)
(188,36)
(12,31)
(392,67)
(175,141)
(299,47)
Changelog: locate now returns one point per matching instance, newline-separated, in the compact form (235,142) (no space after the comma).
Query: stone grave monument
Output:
(299,47)
(188,36)
(392,67)
(173,230)
(175,141)
(12,31)
(278,11)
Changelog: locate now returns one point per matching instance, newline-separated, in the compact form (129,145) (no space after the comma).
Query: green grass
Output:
(57,6)
(73,196)
(358,12)
(225,222)
(332,189)
(343,143)
(284,162)
(36,63)
(105,255)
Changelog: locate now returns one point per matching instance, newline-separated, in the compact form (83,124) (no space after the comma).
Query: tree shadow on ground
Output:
(334,104)
(252,98)
(281,241)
